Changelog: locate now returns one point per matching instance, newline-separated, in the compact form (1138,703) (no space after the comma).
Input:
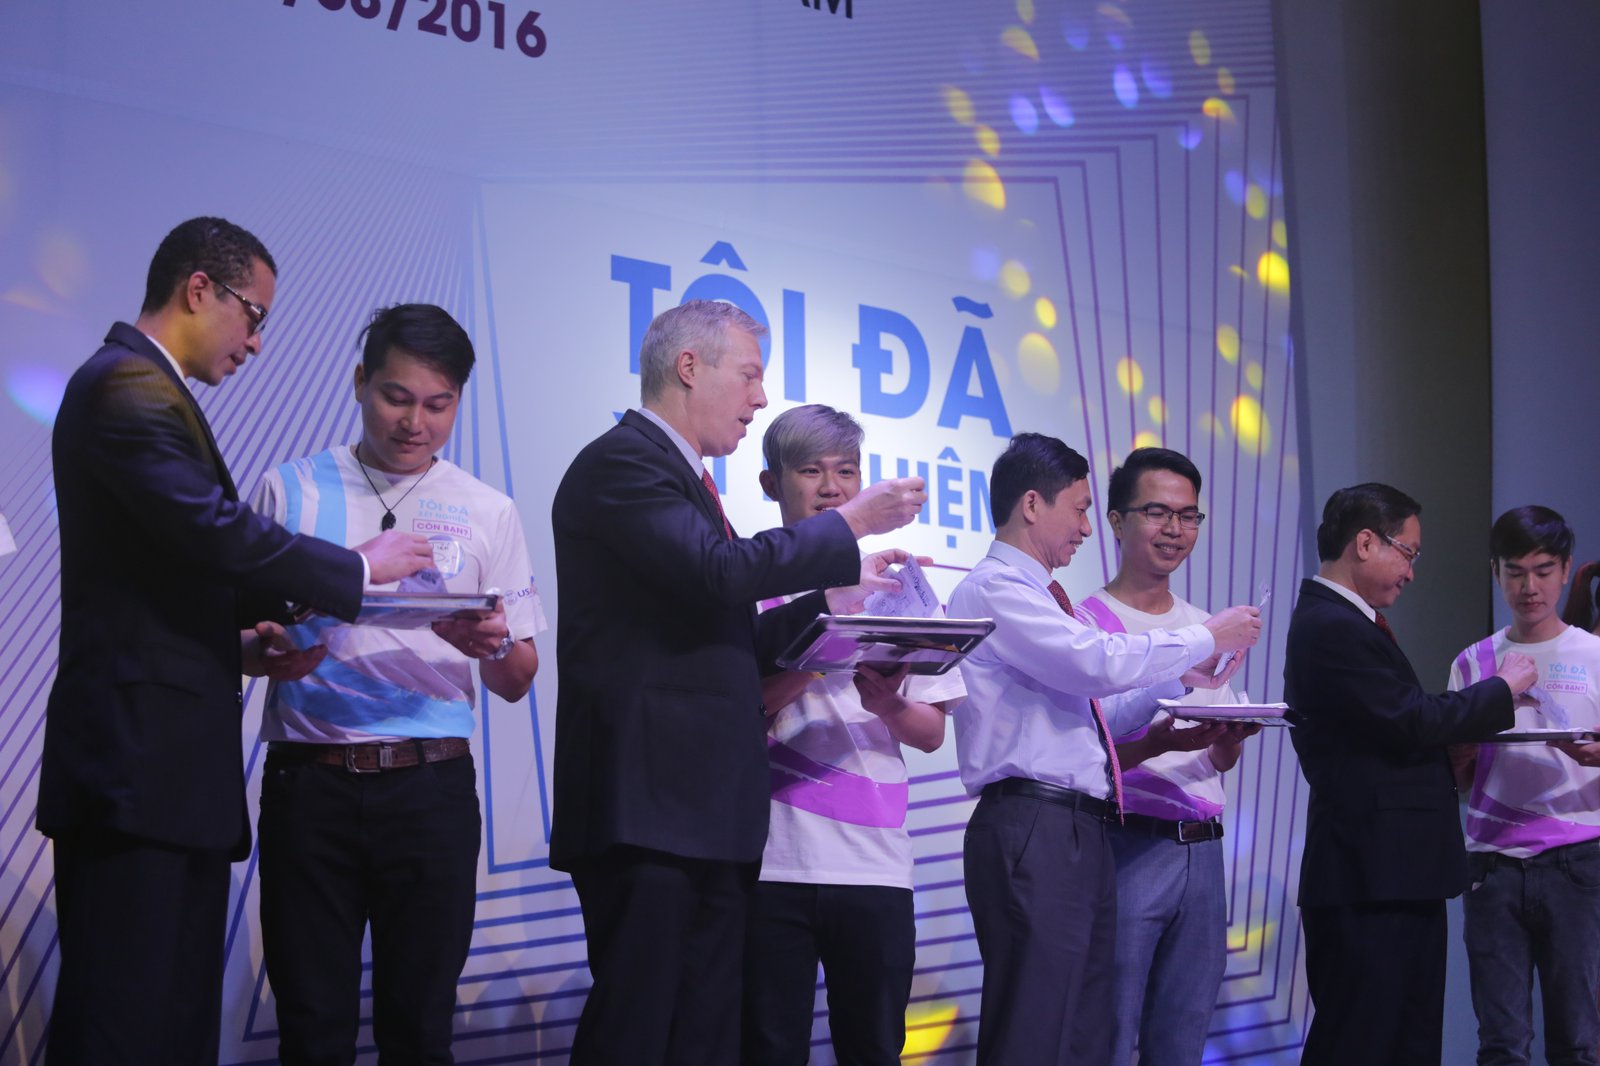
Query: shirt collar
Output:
(176,369)
(690,456)
(1349,594)
(1014,556)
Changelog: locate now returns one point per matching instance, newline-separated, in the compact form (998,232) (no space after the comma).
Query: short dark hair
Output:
(425,331)
(1579,610)
(1380,508)
(213,246)
(1525,530)
(1032,461)
(1125,478)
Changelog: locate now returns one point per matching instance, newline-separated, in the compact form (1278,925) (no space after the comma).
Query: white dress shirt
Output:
(1027,711)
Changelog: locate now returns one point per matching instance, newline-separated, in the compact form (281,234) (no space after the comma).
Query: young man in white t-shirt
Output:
(1171,915)
(1533,814)
(836,873)
(369,805)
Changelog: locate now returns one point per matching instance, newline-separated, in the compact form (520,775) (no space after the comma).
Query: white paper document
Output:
(915,599)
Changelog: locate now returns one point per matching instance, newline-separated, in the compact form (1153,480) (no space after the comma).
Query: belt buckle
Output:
(1193,832)
(385,759)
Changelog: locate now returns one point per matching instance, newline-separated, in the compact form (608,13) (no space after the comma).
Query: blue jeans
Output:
(1523,915)
(1172,943)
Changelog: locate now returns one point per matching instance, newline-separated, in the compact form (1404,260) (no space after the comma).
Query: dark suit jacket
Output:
(660,731)
(161,566)
(1382,823)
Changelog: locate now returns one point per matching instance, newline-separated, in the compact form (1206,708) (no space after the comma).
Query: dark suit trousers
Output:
(1376,973)
(141,929)
(666,946)
(1042,887)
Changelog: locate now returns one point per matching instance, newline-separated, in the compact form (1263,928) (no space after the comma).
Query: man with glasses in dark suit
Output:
(141,785)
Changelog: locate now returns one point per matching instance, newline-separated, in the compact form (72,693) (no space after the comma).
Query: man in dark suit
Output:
(1383,846)
(141,785)
(661,779)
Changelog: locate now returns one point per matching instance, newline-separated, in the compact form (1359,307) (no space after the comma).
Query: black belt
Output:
(1105,810)
(1184,832)
(373,758)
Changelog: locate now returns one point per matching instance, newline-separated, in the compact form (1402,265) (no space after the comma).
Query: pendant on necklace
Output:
(388,521)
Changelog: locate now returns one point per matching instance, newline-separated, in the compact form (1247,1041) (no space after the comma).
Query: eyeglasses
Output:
(256,313)
(1410,554)
(1161,515)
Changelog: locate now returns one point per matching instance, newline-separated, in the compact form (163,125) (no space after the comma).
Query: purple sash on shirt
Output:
(800,781)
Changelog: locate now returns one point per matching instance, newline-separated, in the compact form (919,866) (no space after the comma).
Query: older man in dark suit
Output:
(1383,836)
(661,779)
(142,781)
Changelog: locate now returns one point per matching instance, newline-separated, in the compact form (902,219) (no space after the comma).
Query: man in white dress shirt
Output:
(1031,739)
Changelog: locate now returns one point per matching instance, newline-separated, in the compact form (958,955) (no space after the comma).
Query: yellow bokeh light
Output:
(1280,233)
(1237,271)
(1039,363)
(1019,41)
(1114,13)
(1044,309)
(1146,439)
(63,264)
(1158,410)
(1199,48)
(1216,108)
(1228,343)
(988,140)
(928,1028)
(1209,423)
(1025,11)
(1249,424)
(1255,202)
(1254,374)
(1272,271)
(1225,82)
(1130,376)
(1014,278)
(980,182)
(959,104)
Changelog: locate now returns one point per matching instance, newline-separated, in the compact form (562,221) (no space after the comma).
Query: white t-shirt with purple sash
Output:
(1177,786)
(1527,798)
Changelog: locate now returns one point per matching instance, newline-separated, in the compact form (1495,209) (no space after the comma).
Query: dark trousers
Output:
(666,943)
(398,850)
(141,932)
(1042,887)
(1376,974)
(865,936)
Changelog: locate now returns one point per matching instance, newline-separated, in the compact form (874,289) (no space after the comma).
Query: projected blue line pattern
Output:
(1166,190)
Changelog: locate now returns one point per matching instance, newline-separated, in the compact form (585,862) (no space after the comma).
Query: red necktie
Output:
(711,487)
(1113,768)
(1383,624)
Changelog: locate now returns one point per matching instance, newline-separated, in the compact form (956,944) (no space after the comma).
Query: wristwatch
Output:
(506,644)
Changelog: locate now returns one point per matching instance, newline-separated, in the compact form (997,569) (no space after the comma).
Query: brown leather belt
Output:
(1187,832)
(373,758)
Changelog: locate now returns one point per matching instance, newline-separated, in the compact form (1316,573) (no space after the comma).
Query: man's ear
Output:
(687,365)
(1114,520)
(358,379)
(193,286)
(769,485)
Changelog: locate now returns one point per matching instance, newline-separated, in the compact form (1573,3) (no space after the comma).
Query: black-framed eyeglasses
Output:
(1161,514)
(256,313)
(1410,554)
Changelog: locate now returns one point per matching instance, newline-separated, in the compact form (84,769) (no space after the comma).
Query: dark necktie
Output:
(1383,624)
(1113,768)
(711,487)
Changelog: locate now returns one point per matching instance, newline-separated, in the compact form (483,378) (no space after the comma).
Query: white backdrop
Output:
(959,219)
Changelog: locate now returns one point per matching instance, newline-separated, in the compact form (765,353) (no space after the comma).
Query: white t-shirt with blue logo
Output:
(392,684)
